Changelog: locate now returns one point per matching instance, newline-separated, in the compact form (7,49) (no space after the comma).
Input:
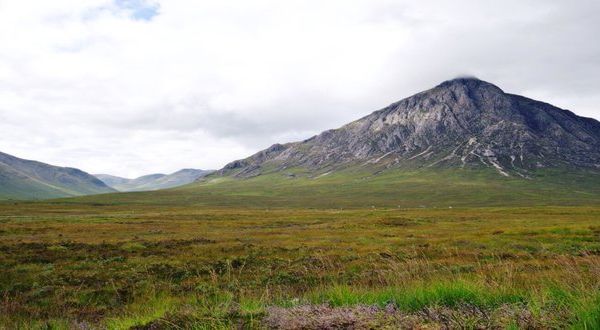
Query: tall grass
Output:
(417,296)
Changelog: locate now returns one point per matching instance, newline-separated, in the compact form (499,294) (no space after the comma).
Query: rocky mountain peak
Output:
(463,122)
(468,83)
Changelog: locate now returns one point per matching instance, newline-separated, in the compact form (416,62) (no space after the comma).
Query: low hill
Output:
(27,179)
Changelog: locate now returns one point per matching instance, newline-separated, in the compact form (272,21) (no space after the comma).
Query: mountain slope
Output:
(26,179)
(461,123)
(153,181)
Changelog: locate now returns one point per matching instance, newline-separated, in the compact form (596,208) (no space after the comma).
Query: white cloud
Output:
(132,87)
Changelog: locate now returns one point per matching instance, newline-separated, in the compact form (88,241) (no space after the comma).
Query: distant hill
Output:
(124,184)
(461,123)
(27,179)
(153,181)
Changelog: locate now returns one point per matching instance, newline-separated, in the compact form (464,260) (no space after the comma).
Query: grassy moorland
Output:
(362,188)
(225,254)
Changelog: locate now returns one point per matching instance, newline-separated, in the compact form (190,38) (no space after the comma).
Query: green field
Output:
(414,249)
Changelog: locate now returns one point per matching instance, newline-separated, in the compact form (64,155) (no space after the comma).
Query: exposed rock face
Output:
(463,122)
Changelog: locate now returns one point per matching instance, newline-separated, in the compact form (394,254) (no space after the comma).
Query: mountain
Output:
(153,181)
(27,179)
(461,123)
(463,143)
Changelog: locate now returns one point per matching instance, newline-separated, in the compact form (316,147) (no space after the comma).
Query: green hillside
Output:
(18,187)
(27,179)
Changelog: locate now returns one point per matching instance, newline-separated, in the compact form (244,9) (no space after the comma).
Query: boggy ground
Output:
(93,266)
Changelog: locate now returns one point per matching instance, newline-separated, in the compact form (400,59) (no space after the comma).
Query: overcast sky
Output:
(136,87)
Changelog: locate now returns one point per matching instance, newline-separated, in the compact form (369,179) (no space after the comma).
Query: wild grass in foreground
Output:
(120,267)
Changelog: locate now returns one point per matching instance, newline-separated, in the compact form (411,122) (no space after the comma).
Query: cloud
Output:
(130,86)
